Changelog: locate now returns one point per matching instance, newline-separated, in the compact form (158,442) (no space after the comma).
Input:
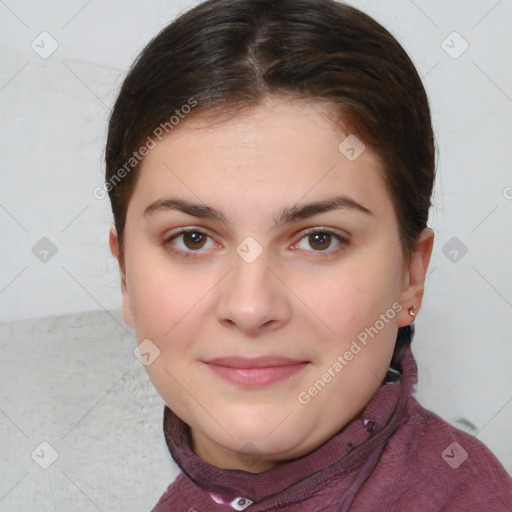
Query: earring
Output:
(411,312)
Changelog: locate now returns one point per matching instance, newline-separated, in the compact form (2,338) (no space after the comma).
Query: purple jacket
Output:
(398,457)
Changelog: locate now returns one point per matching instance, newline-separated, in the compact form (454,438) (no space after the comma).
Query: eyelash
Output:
(186,254)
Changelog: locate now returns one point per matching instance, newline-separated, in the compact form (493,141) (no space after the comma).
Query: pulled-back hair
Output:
(225,55)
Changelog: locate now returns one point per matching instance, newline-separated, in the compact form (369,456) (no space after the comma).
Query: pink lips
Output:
(255,372)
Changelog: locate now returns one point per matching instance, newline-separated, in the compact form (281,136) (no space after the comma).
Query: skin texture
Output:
(303,297)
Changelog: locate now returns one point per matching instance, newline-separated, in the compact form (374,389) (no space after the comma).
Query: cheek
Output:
(162,293)
(171,304)
(167,307)
(334,304)
(159,303)
(359,306)
(346,300)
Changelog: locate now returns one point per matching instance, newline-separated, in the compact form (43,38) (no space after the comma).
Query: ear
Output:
(114,249)
(414,278)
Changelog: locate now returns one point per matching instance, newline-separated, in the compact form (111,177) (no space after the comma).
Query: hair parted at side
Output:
(227,55)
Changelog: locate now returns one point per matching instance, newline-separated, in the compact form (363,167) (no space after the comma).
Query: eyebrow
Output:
(285,216)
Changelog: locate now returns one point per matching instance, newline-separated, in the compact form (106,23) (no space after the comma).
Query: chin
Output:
(258,439)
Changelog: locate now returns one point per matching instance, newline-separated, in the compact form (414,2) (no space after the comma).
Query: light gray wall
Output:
(54,112)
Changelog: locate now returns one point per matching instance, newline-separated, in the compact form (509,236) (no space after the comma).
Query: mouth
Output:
(255,372)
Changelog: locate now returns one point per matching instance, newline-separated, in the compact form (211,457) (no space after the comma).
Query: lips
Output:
(255,362)
(255,372)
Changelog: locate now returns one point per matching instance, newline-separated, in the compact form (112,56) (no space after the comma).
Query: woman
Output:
(270,166)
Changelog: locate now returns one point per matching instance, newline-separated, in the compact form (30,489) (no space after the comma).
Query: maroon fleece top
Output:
(397,457)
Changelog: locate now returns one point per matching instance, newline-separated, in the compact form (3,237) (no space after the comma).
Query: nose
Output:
(252,298)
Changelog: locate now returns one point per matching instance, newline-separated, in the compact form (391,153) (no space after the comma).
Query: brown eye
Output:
(194,240)
(320,241)
(188,242)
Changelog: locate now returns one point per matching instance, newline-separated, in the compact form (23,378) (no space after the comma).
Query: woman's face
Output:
(269,269)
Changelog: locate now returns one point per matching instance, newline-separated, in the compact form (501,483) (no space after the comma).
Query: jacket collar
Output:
(351,454)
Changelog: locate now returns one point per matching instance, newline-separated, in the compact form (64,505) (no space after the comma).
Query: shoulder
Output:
(450,465)
(164,503)
(181,495)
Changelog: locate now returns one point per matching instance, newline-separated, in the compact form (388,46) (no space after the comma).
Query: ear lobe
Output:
(414,284)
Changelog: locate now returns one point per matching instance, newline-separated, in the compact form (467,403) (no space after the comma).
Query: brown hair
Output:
(229,54)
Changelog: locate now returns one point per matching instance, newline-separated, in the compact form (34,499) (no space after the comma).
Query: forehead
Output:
(282,151)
